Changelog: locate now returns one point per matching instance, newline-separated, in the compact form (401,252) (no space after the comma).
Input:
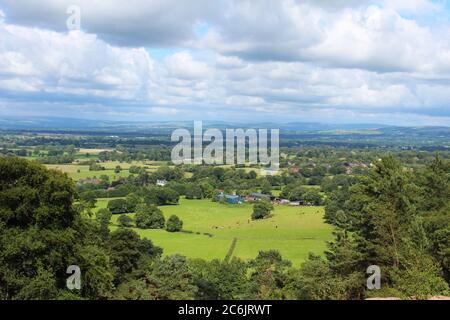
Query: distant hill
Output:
(291,134)
(36,123)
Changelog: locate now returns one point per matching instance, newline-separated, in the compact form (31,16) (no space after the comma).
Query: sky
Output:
(330,61)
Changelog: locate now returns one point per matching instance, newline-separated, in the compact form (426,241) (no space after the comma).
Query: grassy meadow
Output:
(294,231)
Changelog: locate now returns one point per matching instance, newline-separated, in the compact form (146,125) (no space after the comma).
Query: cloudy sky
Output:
(336,61)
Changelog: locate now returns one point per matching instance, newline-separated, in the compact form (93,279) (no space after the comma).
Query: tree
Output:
(89,197)
(435,207)
(136,170)
(317,282)
(41,287)
(33,195)
(118,206)
(313,197)
(98,275)
(207,189)
(261,209)
(41,233)
(418,275)
(167,173)
(125,221)
(252,175)
(174,224)
(194,191)
(266,187)
(297,193)
(124,252)
(160,196)
(103,217)
(133,200)
(149,217)
(171,279)
(270,274)
(394,225)
(221,280)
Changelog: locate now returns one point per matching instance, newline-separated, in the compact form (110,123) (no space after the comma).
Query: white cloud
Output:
(73,63)
(229,62)
(19,85)
(183,66)
(134,23)
(372,37)
(280,59)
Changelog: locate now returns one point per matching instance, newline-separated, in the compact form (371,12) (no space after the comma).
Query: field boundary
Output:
(231,250)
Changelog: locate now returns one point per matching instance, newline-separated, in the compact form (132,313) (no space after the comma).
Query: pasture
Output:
(294,231)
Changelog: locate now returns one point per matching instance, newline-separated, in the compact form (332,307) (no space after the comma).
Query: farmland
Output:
(228,231)
(294,231)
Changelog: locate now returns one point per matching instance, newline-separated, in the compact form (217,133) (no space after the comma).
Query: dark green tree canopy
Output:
(149,217)
(31,195)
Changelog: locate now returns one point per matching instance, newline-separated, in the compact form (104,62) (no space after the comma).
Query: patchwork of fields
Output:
(294,231)
(209,227)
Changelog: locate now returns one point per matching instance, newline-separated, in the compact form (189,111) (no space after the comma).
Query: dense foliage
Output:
(390,214)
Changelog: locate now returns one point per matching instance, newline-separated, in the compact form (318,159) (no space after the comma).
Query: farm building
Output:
(280,201)
(229,198)
(299,203)
(256,196)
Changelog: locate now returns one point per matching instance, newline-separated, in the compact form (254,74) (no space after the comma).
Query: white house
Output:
(161,183)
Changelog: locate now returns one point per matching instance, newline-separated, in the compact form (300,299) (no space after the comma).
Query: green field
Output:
(294,231)
(72,171)
(77,171)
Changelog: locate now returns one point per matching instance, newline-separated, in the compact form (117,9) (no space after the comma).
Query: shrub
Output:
(174,224)
(125,221)
(261,210)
